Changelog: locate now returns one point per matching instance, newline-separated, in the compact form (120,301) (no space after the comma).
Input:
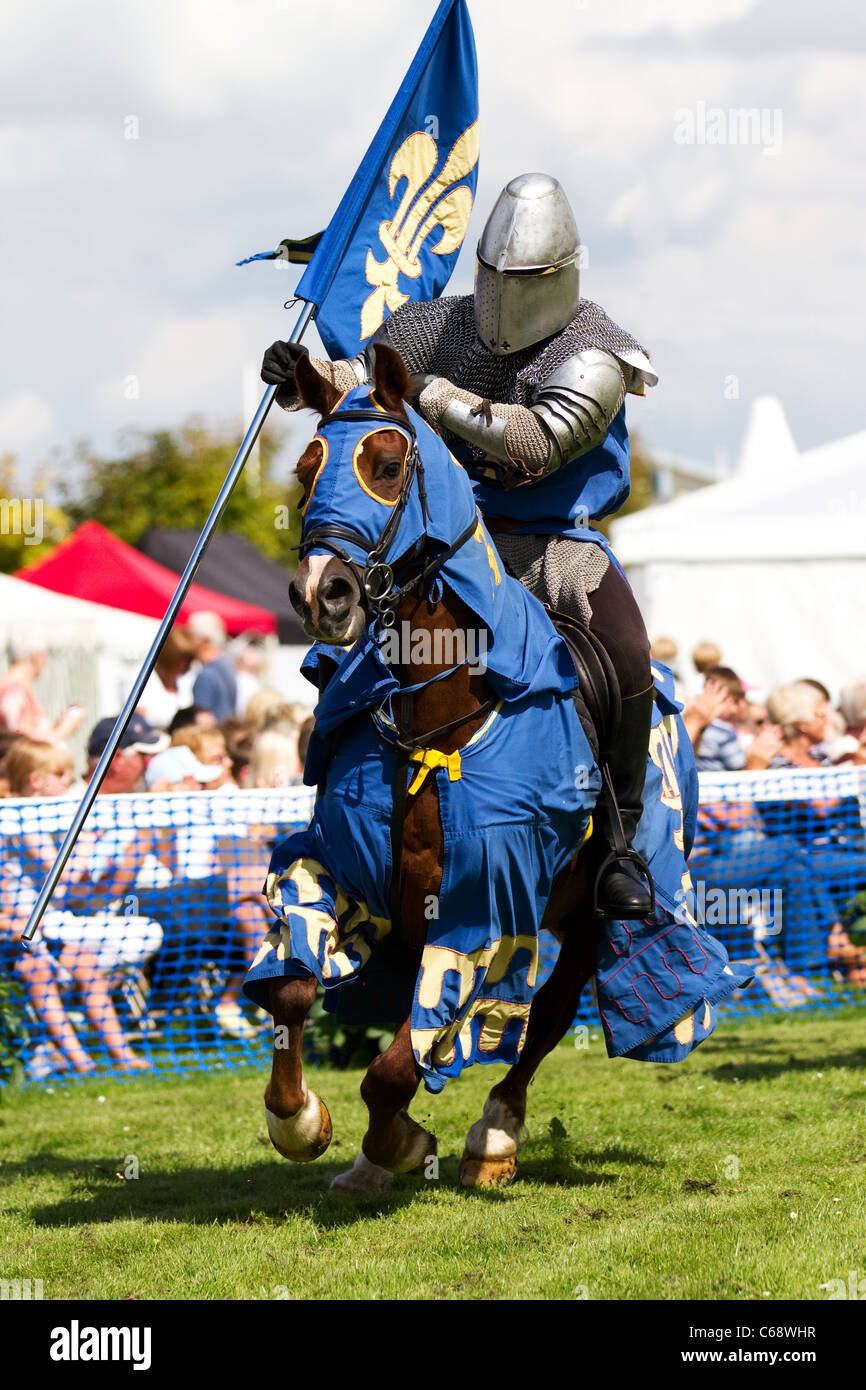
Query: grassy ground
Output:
(740,1174)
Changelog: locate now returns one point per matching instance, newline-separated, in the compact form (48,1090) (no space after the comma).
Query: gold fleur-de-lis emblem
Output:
(427,203)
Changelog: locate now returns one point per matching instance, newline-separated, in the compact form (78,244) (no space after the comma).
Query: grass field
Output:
(740,1174)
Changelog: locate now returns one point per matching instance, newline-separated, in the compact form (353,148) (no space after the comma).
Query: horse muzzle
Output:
(326,595)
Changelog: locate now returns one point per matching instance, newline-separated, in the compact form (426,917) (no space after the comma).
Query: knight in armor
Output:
(526,383)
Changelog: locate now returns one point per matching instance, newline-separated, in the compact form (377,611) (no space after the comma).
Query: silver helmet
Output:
(526,269)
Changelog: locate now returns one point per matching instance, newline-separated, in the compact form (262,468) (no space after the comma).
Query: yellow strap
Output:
(431,758)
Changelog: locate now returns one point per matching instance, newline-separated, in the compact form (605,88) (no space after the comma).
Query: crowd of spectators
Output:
(154,903)
(810,848)
(158,903)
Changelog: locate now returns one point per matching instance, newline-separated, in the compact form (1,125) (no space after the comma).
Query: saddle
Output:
(597,699)
(598,702)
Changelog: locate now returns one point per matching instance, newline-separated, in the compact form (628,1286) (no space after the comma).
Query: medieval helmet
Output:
(526,270)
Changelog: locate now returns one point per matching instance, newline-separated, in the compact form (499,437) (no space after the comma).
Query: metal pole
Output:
(165,627)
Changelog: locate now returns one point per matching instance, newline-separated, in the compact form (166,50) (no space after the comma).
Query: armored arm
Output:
(569,416)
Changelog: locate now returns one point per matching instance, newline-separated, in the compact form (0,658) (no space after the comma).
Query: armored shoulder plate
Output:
(579,399)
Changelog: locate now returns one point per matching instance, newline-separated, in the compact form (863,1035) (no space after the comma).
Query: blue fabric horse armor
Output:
(515,803)
(657,983)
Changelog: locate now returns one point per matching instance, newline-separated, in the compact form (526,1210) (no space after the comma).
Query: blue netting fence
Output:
(143,951)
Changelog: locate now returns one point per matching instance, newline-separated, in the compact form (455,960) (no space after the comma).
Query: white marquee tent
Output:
(770,564)
(94,651)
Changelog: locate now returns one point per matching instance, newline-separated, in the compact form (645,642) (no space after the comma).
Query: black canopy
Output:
(233,566)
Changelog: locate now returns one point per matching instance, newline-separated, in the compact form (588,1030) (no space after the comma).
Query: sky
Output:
(147,145)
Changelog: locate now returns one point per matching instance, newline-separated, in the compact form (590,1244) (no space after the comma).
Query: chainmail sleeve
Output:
(511,433)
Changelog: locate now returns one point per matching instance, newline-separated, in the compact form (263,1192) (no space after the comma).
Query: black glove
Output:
(278,369)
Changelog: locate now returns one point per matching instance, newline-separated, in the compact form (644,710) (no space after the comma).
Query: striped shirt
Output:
(720,749)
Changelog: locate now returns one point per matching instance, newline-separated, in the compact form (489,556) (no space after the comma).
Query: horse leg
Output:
(394,1143)
(298,1122)
(493,1142)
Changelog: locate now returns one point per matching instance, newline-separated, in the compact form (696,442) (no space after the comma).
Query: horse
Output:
(381,563)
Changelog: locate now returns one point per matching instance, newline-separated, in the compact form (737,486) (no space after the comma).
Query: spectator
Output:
(44,971)
(161,698)
(287,717)
(192,717)
(33,768)
(705,656)
(7,739)
(753,721)
(664,649)
(262,705)
(239,735)
(274,761)
(209,747)
(216,686)
(247,655)
(178,769)
(212,906)
(305,733)
(20,709)
(138,742)
(852,704)
(816,685)
(835,860)
(805,717)
(41,770)
(713,721)
(77,944)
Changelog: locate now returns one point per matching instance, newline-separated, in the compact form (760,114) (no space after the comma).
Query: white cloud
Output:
(25,419)
(182,364)
(119,253)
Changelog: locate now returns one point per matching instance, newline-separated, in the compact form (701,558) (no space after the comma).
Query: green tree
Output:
(29,526)
(170,477)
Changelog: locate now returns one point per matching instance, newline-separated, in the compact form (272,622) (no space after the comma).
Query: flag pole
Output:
(165,627)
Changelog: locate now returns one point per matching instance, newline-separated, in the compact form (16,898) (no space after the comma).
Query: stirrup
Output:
(618,857)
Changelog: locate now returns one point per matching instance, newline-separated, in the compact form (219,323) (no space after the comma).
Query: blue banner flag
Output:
(398,231)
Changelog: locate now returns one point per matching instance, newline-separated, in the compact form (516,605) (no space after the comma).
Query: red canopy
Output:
(94,564)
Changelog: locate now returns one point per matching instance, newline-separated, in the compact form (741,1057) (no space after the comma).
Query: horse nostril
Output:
(335,592)
(296,598)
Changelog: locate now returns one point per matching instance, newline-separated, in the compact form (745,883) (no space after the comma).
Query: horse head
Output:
(328,590)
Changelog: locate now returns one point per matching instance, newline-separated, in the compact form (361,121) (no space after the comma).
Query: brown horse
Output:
(327,592)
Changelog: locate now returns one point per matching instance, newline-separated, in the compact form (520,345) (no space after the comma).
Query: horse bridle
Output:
(377,579)
(383,593)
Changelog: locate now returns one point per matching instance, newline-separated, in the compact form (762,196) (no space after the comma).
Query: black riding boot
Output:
(621,889)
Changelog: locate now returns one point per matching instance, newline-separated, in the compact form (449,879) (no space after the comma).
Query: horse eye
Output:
(391,470)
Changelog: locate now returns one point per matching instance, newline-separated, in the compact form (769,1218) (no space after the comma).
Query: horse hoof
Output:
(303,1136)
(418,1145)
(487,1172)
(499,1134)
(362,1178)
(407,1147)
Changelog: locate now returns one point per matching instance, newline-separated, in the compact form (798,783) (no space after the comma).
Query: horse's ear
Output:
(390,377)
(313,390)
